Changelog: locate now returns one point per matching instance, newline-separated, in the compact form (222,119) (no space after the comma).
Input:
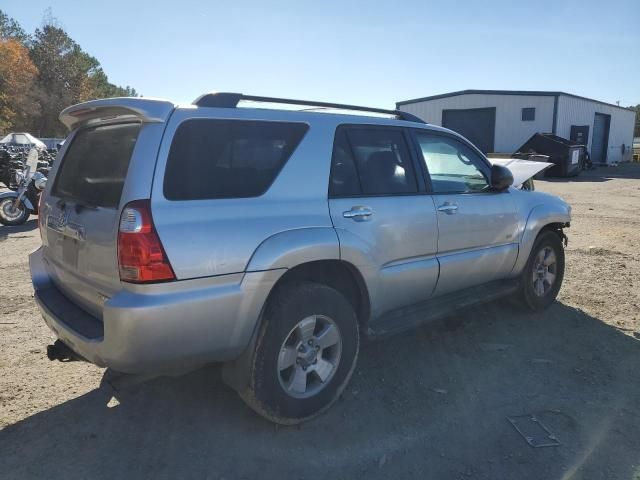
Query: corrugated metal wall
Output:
(578,111)
(511,131)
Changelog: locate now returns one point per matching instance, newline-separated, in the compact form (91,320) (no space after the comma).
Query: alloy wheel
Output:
(544,271)
(309,356)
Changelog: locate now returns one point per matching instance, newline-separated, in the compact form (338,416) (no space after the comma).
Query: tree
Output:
(100,87)
(62,68)
(68,75)
(10,29)
(17,75)
(57,73)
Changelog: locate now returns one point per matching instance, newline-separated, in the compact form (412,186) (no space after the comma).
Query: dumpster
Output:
(568,158)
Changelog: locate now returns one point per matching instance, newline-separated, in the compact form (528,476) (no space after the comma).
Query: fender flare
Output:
(290,248)
(281,251)
(24,200)
(539,217)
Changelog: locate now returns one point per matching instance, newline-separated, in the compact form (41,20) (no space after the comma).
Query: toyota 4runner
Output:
(273,240)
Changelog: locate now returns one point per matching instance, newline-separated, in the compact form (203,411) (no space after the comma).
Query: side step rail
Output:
(437,308)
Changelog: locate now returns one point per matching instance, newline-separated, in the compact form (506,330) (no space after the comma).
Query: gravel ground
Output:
(431,403)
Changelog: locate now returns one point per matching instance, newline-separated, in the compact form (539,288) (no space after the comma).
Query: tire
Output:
(540,293)
(12,220)
(288,318)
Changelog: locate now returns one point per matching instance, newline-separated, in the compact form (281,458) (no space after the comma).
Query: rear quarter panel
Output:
(219,236)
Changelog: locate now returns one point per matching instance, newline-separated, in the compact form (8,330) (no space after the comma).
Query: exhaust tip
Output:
(60,351)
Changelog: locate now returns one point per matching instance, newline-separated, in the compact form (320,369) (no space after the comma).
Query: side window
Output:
(228,158)
(528,114)
(452,165)
(371,161)
(344,176)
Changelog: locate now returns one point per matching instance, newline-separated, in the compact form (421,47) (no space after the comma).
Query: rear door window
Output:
(228,158)
(95,166)
(371,161)
(344,176)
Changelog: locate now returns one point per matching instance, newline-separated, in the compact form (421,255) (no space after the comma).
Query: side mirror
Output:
(501,178)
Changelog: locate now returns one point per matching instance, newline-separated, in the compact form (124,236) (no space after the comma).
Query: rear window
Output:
(95,166)
(228,158)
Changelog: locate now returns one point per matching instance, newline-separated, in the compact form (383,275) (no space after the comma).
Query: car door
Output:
(477,240)
(385,223)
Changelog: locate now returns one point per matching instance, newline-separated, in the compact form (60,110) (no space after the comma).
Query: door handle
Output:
(448,208)
(358,213)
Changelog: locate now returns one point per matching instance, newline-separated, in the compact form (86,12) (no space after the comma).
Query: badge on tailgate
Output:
(60,223)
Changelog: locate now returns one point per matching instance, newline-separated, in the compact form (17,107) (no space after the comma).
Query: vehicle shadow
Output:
(28,226)
(431,403)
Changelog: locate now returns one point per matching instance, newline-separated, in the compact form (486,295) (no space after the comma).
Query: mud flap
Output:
(236,372)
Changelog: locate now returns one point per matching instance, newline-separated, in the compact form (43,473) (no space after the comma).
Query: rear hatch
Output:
(80,238)
(109,160)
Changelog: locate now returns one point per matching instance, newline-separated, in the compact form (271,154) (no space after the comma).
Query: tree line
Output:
(43,73)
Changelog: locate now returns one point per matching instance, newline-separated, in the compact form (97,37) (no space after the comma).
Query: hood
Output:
(522,170)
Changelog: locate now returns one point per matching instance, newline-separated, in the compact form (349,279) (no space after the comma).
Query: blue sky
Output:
(362,52)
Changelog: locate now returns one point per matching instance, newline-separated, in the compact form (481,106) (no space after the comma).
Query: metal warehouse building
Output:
(500,121)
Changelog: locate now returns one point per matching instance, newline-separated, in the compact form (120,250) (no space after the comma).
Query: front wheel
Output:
(542,277)
(305,354)
(11,216)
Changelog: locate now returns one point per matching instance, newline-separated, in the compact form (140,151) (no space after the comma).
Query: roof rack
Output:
(231,100)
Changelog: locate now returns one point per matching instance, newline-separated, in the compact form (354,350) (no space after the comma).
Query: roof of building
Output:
(22,138)
(534,93)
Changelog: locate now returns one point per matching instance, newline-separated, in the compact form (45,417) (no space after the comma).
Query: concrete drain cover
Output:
(533,431)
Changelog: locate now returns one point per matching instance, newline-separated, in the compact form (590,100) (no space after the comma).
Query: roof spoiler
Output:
(147,110)
(231,100)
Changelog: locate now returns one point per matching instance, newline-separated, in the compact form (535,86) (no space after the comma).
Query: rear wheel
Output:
(11,216)
(542,278)
(305,354)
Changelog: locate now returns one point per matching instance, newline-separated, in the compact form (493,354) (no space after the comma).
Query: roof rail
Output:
(231,100)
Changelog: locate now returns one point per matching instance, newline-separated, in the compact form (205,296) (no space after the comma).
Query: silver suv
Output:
(274,240)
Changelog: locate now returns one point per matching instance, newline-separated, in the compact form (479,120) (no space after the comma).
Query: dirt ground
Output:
(431,403)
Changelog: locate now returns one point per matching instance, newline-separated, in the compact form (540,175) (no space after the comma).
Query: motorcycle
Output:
(13,158)
(16,206)
(10,161)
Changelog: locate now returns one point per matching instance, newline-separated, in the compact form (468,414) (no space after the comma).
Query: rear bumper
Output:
(158,328)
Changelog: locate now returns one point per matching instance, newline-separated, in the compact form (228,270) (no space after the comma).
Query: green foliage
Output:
(11,30)
(66,74)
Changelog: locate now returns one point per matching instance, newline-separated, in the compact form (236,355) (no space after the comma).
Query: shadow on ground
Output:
(602,174)
(29,225)
(431,403)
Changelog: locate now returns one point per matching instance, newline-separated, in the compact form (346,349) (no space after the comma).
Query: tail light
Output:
(141,258)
